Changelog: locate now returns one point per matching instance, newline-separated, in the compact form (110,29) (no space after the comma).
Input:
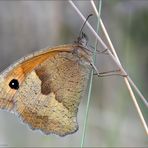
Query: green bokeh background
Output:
(27,26)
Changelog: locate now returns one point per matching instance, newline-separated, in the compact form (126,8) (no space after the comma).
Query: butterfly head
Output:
(82,39)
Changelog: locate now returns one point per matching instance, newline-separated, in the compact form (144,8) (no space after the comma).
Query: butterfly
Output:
(45,88)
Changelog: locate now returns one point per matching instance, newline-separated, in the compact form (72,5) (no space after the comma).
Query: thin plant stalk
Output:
(90,85)
(109,52)
(126,79)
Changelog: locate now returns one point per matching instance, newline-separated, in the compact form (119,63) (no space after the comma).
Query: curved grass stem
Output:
(90,84)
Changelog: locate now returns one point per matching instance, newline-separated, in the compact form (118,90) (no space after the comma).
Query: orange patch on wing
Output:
(20,71)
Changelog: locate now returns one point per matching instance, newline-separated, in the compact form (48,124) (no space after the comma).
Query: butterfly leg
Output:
(110,73)
(100,52)
(107,73)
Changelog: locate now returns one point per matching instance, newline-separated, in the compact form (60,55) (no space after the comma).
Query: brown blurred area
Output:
(27,26)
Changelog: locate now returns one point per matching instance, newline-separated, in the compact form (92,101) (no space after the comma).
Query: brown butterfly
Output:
(45,88)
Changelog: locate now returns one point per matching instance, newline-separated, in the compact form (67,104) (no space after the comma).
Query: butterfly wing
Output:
(50,90)
(20,69)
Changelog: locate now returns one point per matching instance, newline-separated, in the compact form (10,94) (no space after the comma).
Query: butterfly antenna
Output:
(84,24)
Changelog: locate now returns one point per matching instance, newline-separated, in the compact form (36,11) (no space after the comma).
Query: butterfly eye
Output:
(14,84)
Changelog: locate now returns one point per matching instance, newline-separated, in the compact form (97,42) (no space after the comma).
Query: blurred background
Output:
(27,26)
